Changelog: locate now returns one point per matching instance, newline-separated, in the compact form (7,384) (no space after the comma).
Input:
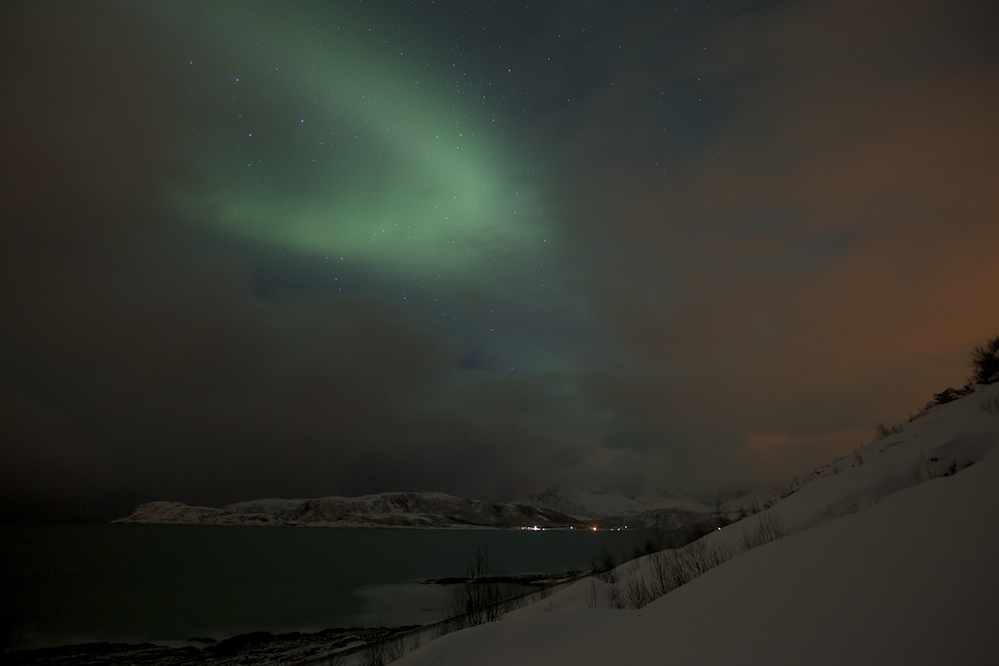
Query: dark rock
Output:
(952,394)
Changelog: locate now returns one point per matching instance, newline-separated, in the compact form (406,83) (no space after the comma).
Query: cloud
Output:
(814,264)
(746,255)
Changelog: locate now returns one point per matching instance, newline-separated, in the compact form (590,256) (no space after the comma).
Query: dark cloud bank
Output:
(754,233)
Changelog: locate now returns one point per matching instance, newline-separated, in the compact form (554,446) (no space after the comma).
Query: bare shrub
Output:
(617,598)
(768,528)
(667,574)
(477,599)
(443,628)
(701,556)
(604,567)
(374,654)
(669,569)
(985,362)
(885,431)
(481,597)
(858,455)
(720,513)
(637,594)
(591,594)
(605,570)
(664,571)
(382,650)
(660,540)
(395,650)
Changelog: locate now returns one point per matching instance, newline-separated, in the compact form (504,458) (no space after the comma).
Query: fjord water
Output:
(169,583)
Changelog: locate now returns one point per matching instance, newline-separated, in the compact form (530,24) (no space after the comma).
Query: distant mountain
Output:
(176,513)
(425,510)
(659,498)
(576,502)
(656,508)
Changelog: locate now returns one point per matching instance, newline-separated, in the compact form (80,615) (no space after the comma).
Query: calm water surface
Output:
(168,583)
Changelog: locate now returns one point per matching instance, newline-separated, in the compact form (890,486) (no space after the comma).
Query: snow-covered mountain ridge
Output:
(657,508)
(424,510)
(554,507)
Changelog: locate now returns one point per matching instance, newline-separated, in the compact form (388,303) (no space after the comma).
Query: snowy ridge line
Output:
(552,508)
(658,508)
(402,510)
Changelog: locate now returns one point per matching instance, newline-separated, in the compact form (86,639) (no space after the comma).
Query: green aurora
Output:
(335,143)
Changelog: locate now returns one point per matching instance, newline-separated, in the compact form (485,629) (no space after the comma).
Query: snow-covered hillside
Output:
(427,510)
(177,513)
(889,559)
(656,508)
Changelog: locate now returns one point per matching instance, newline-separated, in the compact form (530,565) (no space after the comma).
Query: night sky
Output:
(334,248)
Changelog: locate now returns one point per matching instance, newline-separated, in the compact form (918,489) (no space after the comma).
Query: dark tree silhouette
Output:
(985,363)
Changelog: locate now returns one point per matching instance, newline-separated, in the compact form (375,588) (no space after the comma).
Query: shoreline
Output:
(294,648)
(256,647)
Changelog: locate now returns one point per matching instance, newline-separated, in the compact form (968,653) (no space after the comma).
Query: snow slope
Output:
(659,507)
(892,560)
